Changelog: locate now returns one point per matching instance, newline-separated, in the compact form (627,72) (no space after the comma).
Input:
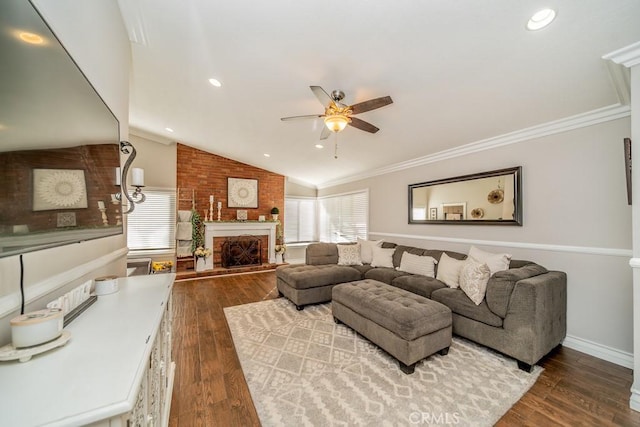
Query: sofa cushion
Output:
(349,255)
(434,253)
(366,249)
(501,285)
(474,276)
(382,257)
(384,274)
(495,262)
(460,304)
(362,269)
(418,264)
(313,276)
(449,270)
(420,285)
(321,253)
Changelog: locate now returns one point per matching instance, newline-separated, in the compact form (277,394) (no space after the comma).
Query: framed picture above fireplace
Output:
(242,193)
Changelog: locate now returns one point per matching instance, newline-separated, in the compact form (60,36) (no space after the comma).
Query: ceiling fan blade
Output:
(322,95)
(325,132)
(371,104)
(362,125)
(308,116)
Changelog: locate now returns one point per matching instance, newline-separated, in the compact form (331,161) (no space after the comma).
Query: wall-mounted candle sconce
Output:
(137,179)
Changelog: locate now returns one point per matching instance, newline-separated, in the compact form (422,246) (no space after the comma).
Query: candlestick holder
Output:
(205,216)
(105,221)
(137,196)
(210,210)
(219,209)
(116,203)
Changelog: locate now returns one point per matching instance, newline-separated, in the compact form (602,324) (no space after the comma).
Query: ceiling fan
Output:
(338,115)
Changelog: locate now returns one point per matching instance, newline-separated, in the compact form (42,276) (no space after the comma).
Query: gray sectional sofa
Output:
(523,314)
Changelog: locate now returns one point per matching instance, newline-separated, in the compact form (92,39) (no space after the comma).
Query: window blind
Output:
(152,224)
(300,225)
(344,217)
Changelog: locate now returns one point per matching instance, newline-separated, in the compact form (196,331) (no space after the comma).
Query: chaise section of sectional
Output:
(312,284)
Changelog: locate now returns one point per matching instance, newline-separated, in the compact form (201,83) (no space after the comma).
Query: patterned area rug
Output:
(304,370)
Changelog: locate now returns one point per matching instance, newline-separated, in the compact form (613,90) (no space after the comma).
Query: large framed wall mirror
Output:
(58,142)
(489,198)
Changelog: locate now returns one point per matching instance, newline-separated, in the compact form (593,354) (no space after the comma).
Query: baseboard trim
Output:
(600,351)
(11,302)
(626,253)
(634,400)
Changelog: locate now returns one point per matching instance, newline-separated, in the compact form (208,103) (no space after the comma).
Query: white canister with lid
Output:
(36,327)
(106,285)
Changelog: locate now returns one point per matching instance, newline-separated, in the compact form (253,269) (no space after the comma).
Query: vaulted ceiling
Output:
(458,72)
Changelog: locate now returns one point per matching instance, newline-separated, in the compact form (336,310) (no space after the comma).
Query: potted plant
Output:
(274,213)
(201,253)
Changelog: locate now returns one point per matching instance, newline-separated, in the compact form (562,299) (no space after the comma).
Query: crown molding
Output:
(627,56)
(621,80)
(150,136)
(301,182)
(590,118)
(134,21)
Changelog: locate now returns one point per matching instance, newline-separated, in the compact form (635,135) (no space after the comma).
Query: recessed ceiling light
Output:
(169,130)
(319,146)
(541,19)
(215,82)
(30,38)
(267,155)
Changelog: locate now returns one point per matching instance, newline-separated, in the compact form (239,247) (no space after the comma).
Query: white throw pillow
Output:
(382,257)
(495,262)
(473,280)
(349,255)
(449,270)
(366,249)
(416,264)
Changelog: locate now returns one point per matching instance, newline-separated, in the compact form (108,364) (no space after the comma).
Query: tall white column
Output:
(630,57)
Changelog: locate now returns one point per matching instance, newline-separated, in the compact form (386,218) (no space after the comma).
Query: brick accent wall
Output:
(16,184)
(207,174)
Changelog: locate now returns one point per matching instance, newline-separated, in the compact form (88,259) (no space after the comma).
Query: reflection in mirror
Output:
(58,141)
(484,198)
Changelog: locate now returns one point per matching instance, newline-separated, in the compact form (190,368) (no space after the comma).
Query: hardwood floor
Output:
(210,389)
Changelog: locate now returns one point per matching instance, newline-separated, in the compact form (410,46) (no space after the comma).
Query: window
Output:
(151,226)
(344,217)
(300,225)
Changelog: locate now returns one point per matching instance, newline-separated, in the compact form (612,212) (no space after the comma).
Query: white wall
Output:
(94,34)
(576,219)
(159,161)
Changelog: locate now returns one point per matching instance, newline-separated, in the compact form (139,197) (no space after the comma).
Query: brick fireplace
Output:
(217,232)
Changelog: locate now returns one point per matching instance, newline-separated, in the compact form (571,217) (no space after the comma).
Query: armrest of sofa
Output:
(537,312)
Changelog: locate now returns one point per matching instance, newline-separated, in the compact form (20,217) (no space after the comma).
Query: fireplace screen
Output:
(241,251)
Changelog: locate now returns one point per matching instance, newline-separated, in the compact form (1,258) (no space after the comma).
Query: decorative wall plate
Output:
(242,193)
(496,196)
(477,213)
(59,189)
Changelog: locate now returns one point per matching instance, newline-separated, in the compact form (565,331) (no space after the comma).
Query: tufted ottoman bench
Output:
(408,326)
(312,284)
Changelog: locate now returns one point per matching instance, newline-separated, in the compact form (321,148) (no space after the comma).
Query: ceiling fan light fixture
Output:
(336,122)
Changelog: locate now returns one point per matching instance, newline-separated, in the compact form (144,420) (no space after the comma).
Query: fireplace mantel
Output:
(239,228)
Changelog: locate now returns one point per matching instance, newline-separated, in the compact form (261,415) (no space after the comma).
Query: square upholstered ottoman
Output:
(407,326)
